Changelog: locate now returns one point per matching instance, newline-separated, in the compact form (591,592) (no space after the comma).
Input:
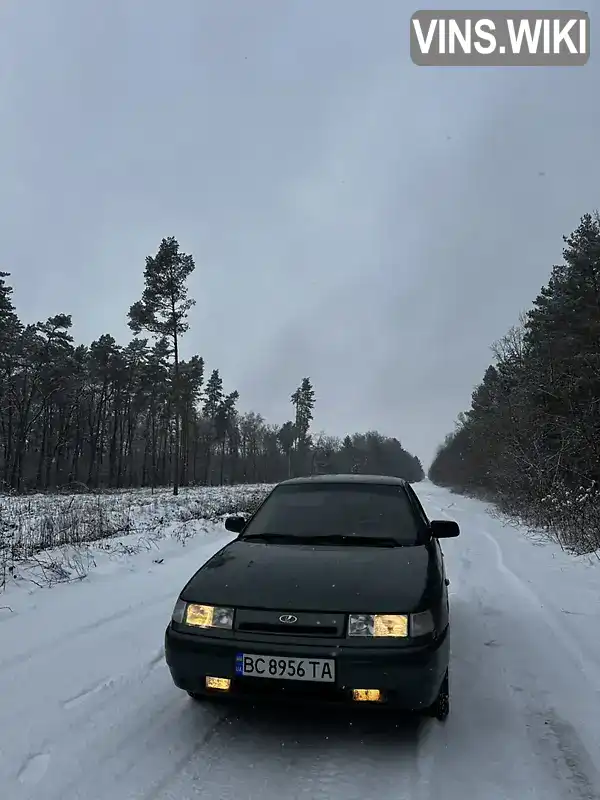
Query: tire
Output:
(440,708)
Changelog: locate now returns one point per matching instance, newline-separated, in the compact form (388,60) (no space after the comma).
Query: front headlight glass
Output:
(398,626)
(378,625)
(200,616)
(361,624)
(391,625)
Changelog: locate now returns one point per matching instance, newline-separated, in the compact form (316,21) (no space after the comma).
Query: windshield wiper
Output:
(284,538)
(331,538)
(348,538)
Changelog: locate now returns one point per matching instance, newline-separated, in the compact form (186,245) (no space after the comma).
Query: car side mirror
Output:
(235,524)
(444,528)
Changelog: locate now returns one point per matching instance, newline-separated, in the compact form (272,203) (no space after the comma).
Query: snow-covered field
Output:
(28,523)
(88,710)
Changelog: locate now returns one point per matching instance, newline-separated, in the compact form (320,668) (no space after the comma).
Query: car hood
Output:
(317,578)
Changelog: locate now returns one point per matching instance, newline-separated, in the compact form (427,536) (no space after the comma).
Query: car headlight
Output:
(378,625)
(397,626)
(201,616)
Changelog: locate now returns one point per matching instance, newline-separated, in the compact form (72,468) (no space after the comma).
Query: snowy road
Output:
(88,710)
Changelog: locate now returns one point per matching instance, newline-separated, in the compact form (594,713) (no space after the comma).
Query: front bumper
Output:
(409,677)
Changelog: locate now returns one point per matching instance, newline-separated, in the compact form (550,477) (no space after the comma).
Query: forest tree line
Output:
(530,442)
(117,416)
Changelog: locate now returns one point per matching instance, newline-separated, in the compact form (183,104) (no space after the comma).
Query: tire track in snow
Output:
(542,765)
(306,754)
(139,674)
(561,746)
(151,729)
(34,768)
(175,769)
(554,739)
(85,694)
(81,631)
(75,718)
(587,666)
(589,669)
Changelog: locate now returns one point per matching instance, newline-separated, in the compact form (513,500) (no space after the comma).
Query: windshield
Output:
(317,510)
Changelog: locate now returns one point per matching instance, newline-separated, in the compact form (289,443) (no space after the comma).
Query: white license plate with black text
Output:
(290,669)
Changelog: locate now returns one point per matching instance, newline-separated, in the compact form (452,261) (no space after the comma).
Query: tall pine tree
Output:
(303,400)
(163,311)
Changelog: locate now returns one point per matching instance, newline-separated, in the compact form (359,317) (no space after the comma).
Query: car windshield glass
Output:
(305,510)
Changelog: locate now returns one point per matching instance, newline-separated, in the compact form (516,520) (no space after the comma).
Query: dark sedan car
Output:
(333,591)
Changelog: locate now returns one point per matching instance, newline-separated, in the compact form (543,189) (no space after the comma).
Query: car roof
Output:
(382,480)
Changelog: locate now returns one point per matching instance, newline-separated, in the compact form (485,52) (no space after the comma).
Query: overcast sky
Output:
(354,218)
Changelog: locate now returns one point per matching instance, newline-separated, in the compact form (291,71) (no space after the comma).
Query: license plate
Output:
(290,669)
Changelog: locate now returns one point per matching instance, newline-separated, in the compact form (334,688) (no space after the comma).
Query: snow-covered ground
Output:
(31,521)
(88,710)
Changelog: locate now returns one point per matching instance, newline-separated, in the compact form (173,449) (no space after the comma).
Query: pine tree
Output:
(286,438)
(213,395)
(224,420)
(212,402)
(163,311)
(303,400)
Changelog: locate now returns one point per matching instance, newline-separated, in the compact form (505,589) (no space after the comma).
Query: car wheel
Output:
(440,708)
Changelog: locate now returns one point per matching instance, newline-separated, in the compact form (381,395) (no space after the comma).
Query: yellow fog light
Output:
(366,695)
(218,683)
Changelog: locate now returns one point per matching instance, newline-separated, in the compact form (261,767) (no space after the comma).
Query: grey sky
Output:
(355,218)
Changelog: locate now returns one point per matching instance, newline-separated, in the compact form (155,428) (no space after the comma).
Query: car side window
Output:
(423,516)
(417,505)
